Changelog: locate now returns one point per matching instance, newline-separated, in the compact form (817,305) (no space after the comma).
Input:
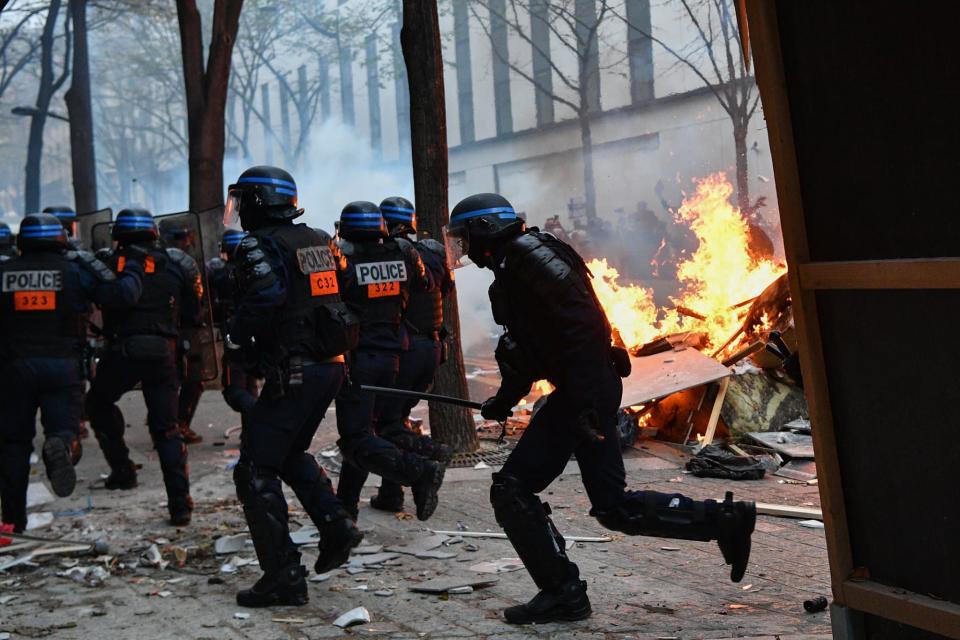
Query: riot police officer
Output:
(423,321)
(182,237)
(291,327)
(240,387)
(142,347)
(381,274)
(8,247)
(45,300)
(557,330)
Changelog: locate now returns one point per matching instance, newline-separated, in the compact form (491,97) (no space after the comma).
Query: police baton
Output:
(417,395)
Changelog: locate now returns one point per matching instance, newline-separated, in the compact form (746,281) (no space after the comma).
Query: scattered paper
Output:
(230,544)
(38,495)
(241,615)
(306,535)
(39,520)
(360,615)
(503,565)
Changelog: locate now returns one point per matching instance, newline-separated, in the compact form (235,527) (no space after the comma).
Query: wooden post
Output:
(420,39)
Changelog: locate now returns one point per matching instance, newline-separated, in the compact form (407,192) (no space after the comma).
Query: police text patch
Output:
(380,272)
(315,260)
(32,281)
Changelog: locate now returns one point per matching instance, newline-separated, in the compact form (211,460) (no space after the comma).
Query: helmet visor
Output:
(231,211)
(456,243)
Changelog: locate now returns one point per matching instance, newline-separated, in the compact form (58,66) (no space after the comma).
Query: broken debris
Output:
(360,615)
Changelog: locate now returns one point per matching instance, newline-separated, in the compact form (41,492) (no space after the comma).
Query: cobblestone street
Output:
(639,587)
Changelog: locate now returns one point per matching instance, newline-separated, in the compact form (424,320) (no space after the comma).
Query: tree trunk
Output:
(80,111)
(420,39)
(589,184)
(206,92)
(39,119)
(743,179)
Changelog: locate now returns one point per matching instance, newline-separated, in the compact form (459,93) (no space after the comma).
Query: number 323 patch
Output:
(35,301)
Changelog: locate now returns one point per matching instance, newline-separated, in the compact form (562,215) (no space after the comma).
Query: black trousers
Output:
(418,366)
(160,383)
(278,431)
(358,417)
(552,436)
(54,386)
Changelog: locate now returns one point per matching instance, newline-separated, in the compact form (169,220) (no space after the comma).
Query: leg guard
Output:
(527,523)
(265,510)
(173,462)
(352,479)
(389,497)
(108,426)
(675,516)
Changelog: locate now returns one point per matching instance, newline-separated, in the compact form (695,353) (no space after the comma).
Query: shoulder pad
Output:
(535,263)
(346,247)
(183,260)
(104,254)
(433,246)
(216,264)
(89,262)
(405,245)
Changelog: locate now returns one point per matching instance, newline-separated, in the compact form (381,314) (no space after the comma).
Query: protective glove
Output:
(495,409)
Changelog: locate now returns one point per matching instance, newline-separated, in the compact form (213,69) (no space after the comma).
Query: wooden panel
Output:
(916,610)
(883,274)
(765,42)
(664,373)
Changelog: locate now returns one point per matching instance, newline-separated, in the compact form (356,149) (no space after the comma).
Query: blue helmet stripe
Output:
(41,227)
(352,216)
(274,181)
(505,213)
(5,232)
(363,223)
(135,222)
(402,217)
(30,233)
(396,209)
(286,192)
(65,214)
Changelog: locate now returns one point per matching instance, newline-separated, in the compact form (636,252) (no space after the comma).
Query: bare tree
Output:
(715,56)
(576,26)
(420,38)
(47,87)
(80,111)
(206,92)
(18,45)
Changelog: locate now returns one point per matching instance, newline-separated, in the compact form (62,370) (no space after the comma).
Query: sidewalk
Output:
(639,587)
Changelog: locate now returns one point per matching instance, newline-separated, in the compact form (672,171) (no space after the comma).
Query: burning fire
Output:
(717,277)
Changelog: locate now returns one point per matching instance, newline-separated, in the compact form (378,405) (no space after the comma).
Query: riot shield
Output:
(185,231)
(85,225)
(100,237)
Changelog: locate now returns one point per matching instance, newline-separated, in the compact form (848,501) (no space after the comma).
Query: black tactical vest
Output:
(313,321)
(158,311)
(42,306)
(378,282)
(425,309)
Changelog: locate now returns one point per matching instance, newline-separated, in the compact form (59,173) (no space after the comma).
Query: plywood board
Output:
(660,375)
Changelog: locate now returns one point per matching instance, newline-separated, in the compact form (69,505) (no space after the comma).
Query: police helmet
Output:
(65,215)
(477,224)
(41,231)
(400,215)
(261,193)
(231,240)
(361,221)
(6,236)
(134,225)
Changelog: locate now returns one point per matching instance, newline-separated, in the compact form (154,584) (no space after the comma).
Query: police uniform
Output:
(142,348)
(240,388)
(44,303)
(292,328)
(425,350)
(380,275)
(8,247)
(557,330)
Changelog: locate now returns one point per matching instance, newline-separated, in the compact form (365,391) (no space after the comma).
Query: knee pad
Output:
(513,502)
(257,485)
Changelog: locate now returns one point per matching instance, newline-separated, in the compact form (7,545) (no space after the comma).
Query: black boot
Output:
(389,497)
(58,457)
(677,517)
(122,477)
(181,510)
(337,538)
(527,523)
(736,521)
(287,588)
(567,603)
(427,487)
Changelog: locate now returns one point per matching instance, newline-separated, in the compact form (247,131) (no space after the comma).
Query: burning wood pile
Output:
(733,306)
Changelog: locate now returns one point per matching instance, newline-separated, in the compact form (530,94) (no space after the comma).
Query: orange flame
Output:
(720,274)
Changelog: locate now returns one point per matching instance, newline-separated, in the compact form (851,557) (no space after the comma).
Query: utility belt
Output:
(286,378)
